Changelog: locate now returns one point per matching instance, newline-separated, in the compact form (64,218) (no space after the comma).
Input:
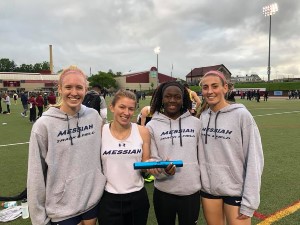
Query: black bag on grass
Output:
(19,197)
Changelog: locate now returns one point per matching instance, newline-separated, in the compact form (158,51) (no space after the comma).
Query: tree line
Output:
(7,65)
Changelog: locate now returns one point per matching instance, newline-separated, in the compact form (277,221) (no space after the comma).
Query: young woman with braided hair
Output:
(174,136)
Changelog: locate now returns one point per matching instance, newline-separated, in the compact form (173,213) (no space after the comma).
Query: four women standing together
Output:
(73,162)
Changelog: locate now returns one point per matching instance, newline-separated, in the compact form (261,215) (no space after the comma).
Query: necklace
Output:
(121,136)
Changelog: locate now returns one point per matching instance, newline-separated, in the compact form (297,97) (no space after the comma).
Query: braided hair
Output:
(156,101)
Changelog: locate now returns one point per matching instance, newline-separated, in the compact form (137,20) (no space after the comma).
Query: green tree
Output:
(110,72)
(37,67)
(118,74)
(25,68)
(45,65)
(22,68)
(106,80)
(7,66)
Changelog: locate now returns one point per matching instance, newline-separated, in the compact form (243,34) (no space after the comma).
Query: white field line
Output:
(272,114)
(14,144)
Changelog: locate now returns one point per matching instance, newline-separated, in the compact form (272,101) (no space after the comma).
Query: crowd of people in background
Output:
(34,102)
(37,102)
(293,94)
(254,94)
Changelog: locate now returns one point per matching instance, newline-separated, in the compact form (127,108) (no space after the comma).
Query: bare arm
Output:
(196,99)
(144,132)
(144,113)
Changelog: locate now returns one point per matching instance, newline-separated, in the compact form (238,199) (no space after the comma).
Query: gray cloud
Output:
(121,35)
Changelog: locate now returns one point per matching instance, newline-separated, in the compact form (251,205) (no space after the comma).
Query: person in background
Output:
(257,95)
(231,157)
(40,104)
(6,99)
(143,96)
(52,98)
(144,116)
(45,100)
(196,101)
(125,200)
(32,108)
(65,180)
(15,97)
(266,94)
(230,95)
(174,136)
(24,100)
(242,94)
(138,96)
(0,101)
(104,92)
(101,108)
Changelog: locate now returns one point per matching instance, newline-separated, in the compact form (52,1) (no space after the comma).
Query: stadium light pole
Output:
(270,10)
(157,51)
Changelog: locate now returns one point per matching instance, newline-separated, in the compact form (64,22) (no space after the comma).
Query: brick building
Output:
(196,74)
(143,80)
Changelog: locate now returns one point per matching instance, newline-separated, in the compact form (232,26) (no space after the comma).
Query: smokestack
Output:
(51,60)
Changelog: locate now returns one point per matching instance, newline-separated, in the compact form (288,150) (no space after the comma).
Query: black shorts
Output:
(130,208)
(235,201)
(91,214)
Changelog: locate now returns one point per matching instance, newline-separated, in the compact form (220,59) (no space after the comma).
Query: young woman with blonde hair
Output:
(65,180)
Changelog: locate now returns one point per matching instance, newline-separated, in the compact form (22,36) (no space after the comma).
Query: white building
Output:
(17,81)
(247,78)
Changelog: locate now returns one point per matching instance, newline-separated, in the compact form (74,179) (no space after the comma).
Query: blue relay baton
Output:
(159,164)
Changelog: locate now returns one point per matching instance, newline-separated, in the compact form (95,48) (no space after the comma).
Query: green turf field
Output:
(279,124)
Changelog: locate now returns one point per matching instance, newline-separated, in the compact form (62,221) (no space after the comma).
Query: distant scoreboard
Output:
(278,93)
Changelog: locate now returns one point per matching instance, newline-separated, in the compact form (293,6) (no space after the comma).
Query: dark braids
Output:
(156,101)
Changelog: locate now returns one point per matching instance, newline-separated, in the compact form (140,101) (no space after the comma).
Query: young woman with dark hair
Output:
(174,136)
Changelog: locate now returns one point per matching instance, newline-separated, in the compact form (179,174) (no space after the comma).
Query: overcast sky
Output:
(122,34)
